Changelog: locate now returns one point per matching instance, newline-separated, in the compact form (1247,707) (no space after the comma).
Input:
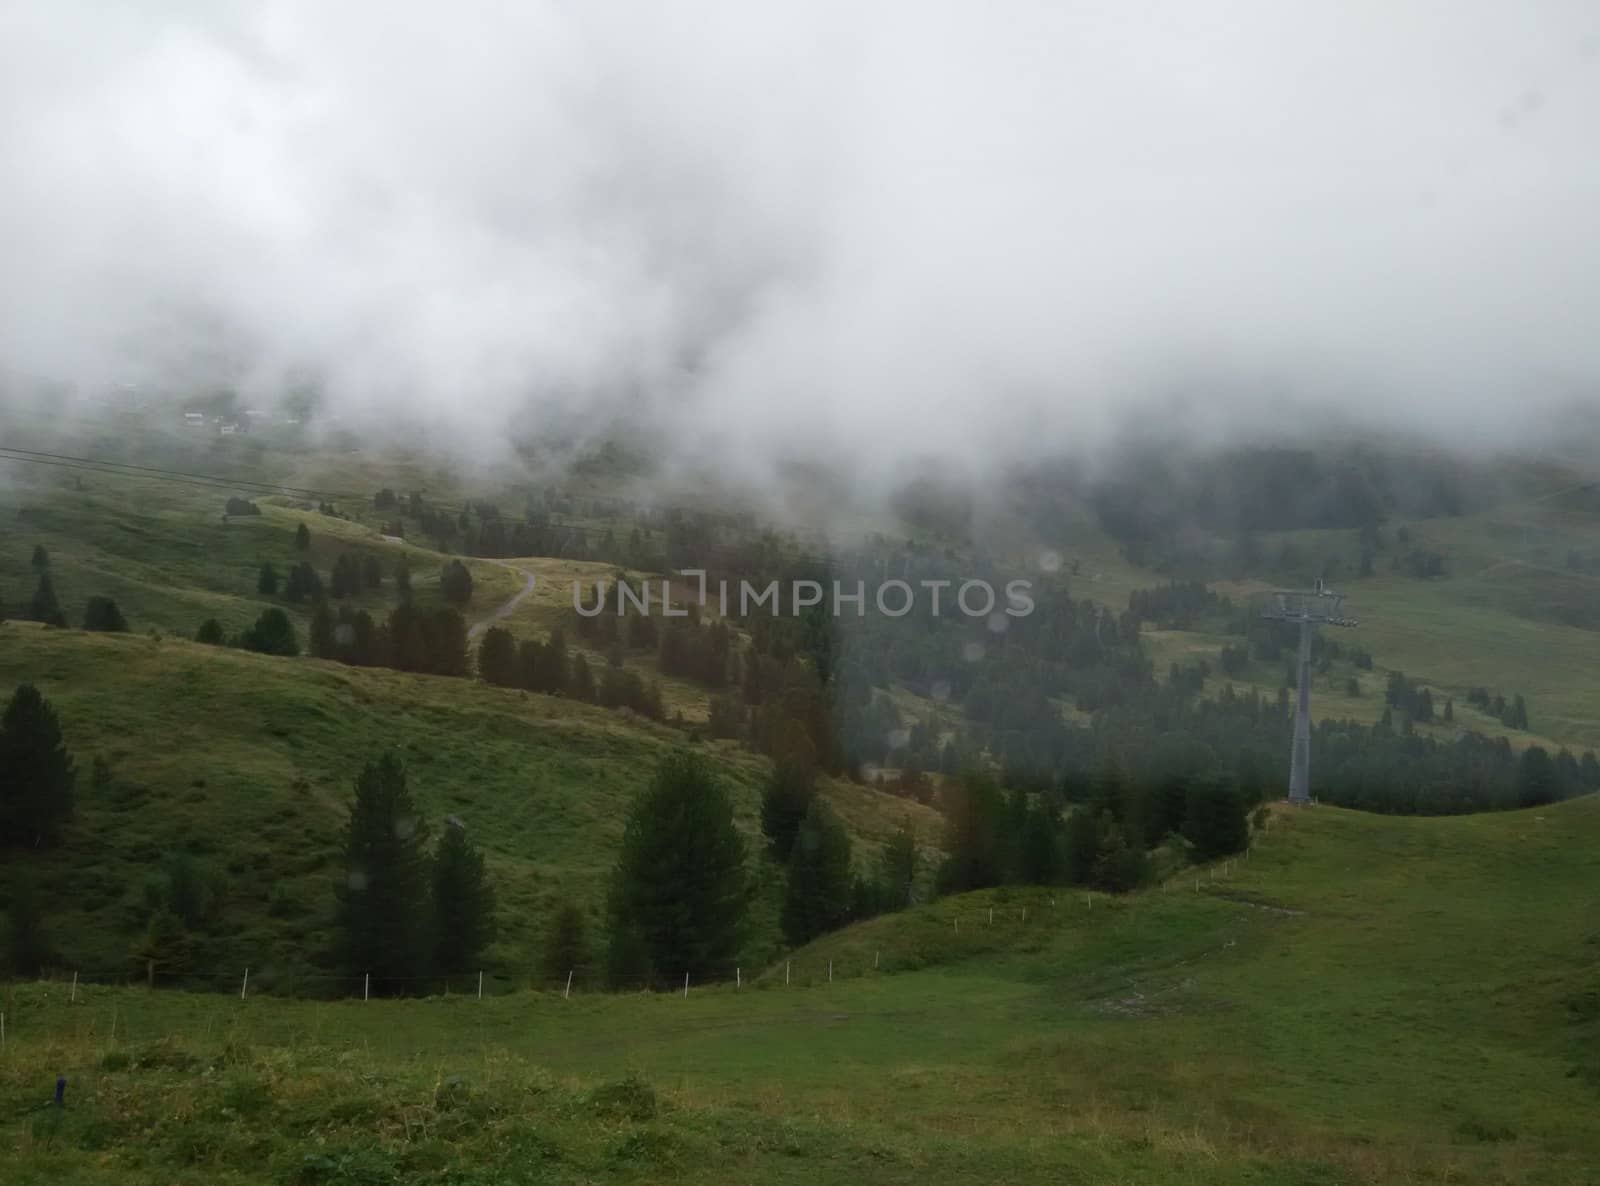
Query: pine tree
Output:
(1537,781)
(164,950)
(973,824)
(1216,823)
(678,892)
(36,772)
(566,947)
(497,658)
(402,580)
(27,943)
(463,902)
(101,613)
(1081,847)
(900,868)
(791,787)
(322,640)
(455,583)
(273,634)
(817,895)
(582,680)
(302,538)
(267,581)
(372,572)
(383,918)
(210,632)
(41,558)
(44,607)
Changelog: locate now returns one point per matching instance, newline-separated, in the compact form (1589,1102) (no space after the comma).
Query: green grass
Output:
(1365,1000)
(247,761)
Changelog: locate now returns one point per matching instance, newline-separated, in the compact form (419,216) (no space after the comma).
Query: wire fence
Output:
(970,931)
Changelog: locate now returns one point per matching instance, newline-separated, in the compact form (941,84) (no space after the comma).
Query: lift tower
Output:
(1308,609)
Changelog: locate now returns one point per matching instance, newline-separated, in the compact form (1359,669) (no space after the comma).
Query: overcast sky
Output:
(902,227)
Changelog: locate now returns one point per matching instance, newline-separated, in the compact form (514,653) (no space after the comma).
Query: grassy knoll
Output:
(1365,1000)
(246,761)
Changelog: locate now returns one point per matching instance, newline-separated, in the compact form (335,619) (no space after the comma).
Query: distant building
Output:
(194,419)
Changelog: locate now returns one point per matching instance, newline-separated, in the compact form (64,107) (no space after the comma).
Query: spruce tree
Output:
(44,607)
(497,658)
(1537,781)
(101,613)
(678,891)
(791,787)
(302,538)
(900,868)
(267,581)
(27,943)
(36,772)
(1216,823)
(973,821)
(210,632)
(566,947)
(41,558)
(463,902)
(817,896)
(382,917)
(322,640)
(273,634)
(455,582)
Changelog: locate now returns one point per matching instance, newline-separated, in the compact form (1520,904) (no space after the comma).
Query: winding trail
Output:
(504,611)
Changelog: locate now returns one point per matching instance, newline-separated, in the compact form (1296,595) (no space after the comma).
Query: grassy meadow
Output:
(1362,1000)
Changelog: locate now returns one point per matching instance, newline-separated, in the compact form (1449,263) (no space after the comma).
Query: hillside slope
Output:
(246,761)
(1365,1000)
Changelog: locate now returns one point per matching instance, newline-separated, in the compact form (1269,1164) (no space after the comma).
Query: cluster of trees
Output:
(1178,605)
(1513,714)
(549,667)
(685,647)
(99,612)
(406,914)
(431,641)
(1102,840)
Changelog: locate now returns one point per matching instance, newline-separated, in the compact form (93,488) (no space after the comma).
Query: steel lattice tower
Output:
(1308,609)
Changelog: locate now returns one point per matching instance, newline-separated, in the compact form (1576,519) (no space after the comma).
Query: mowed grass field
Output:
(246,761)
(1362,1000)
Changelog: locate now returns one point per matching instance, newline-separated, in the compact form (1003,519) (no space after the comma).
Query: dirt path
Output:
(504,611)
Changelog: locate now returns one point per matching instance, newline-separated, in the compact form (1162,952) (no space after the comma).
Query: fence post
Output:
(74,996)
(875,956)
(830,971)
(686,986)
(366,987)
(243,988)
(568,993)
(991,916)
(480,984)
(738,977)
(786,971)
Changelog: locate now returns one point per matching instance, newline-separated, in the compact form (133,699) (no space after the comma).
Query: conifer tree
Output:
(272,634)
(44,607)
(210,632)
(27,942)
(900,868)
(463,902)
(41,558)
(267,581)
(302,538)
(790,789)
(817,897)
(678,892)
(383,898)
(497,658)
(36,772)
(101,613)
(566,947)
